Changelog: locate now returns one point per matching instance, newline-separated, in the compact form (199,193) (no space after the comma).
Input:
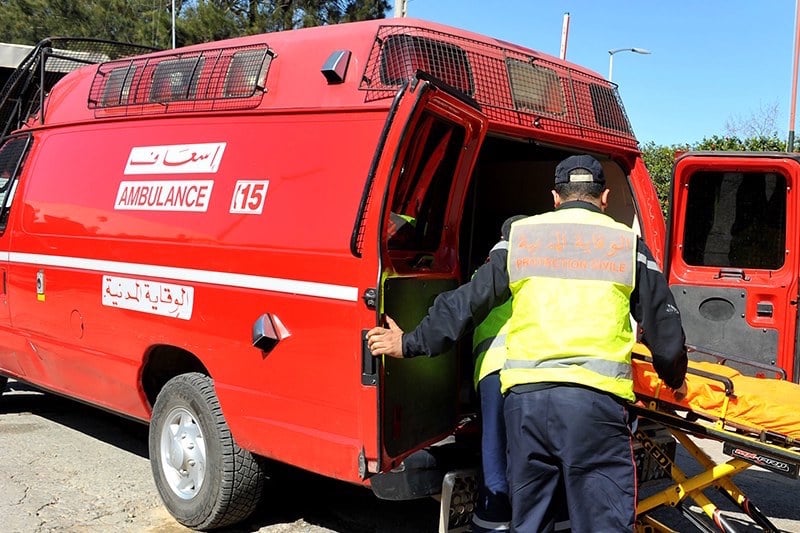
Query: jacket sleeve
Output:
(455,312)
(653,307)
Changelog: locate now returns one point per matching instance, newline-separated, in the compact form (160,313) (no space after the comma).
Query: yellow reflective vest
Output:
(571,275)
(489,342)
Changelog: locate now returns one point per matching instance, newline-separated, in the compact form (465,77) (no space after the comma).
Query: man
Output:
(575,276)
(493,510)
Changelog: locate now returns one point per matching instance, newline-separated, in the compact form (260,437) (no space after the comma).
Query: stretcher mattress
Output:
(755,404)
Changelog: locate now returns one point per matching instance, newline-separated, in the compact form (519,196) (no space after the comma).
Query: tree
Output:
(137,21)
(760,123)
(659,159)
(759,143)
(149,21)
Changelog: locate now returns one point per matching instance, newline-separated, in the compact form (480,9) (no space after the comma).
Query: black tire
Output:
(3,382)
(205,480)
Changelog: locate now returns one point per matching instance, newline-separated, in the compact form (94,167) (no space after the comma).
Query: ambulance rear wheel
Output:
(204,479)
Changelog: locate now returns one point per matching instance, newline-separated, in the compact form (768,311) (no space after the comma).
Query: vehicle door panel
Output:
(733,262)
(437,135)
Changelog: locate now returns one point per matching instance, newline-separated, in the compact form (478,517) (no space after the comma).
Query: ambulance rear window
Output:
(403,55)
(422,193)
(535,89)
(608,110)
(736,219)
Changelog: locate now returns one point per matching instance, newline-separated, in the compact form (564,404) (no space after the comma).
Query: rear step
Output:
(459,495)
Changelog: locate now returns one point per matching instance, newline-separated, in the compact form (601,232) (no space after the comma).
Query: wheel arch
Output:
(162,363)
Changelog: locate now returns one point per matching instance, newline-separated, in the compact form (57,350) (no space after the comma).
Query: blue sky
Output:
(713,61)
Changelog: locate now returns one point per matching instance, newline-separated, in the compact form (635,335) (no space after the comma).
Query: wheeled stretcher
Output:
(756,419)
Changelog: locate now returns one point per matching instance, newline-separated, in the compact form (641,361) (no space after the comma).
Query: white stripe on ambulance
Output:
(229,279)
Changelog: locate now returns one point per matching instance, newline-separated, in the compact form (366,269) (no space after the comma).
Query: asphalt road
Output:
(68,467)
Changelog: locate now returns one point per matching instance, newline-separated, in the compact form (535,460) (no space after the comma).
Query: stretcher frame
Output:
(772,451)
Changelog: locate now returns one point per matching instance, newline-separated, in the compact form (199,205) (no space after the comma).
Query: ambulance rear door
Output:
(429,153)
(733,256)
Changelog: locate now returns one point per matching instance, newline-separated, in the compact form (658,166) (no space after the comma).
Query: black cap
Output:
(580,169)
(505,230)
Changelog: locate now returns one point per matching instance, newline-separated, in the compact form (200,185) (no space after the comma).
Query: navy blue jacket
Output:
(456,312)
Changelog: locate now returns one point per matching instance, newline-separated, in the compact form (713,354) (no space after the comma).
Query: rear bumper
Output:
(421,474)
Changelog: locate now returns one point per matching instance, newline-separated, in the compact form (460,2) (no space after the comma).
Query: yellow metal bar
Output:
(720,422)
(693,487)
(706,462)
(647,524)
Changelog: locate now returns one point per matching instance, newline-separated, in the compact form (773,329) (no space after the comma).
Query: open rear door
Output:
(732,261)
(429,153)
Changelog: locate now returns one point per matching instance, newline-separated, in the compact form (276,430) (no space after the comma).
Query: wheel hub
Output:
(183,453)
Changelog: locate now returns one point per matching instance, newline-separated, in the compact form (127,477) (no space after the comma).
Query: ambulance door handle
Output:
(732,273)
(369,363)
(764,309)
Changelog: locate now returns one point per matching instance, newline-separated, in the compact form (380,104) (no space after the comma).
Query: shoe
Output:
(481,526)
(492,513)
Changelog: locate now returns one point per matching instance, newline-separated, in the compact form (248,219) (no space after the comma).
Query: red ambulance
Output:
(199,238)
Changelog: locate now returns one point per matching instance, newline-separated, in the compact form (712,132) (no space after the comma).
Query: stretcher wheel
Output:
(204,479)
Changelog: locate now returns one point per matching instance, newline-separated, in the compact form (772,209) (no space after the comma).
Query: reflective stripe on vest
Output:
(606,368)
(571,275)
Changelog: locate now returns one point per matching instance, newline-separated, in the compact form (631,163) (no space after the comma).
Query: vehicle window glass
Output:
(247,73)
(736,219)
(11,153)
(176,79)
(421,197)
(118,86)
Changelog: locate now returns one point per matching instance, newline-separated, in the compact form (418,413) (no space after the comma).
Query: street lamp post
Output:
(615,50)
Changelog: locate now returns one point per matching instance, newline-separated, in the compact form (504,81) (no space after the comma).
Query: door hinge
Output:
(370,298)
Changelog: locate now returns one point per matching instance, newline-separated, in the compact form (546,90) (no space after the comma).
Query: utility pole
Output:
(565,36)
(173,24)
(400,8)
(793,100)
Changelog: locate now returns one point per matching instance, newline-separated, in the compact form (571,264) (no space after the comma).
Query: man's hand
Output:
(382,341)
(680,392)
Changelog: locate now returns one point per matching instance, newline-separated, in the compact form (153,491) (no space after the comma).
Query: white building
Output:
(10,56)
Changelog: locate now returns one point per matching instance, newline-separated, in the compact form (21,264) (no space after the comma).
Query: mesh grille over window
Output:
(510,86)
(225,78)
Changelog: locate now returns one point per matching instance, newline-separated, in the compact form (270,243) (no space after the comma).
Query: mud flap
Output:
(459,495)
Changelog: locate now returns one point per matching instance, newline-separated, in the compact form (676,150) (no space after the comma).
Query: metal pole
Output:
(611,63)
(400,8)
(793,100)
(565,36)
(173,24)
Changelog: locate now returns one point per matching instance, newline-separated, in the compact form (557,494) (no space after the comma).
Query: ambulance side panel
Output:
(242,216)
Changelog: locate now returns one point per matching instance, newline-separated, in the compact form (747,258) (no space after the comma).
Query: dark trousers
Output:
(493,510)
(493,434)
(576,436)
